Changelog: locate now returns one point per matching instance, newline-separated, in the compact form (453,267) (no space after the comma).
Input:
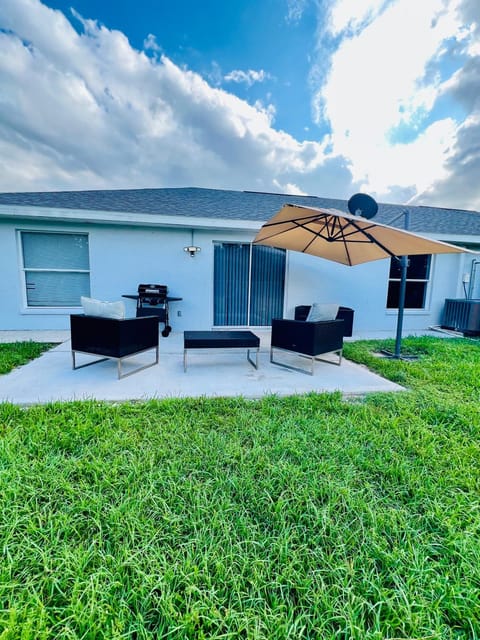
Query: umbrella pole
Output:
(401,295)
(401,305)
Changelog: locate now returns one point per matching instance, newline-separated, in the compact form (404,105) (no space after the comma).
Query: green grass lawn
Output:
(307,517)
(17,353)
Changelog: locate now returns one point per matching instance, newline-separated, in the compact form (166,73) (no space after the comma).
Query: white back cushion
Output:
(92,307)
(322,311)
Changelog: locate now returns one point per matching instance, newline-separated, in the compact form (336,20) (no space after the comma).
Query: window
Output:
(56,268)
(418,274)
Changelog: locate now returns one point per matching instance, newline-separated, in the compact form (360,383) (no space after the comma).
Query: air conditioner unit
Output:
(462,315)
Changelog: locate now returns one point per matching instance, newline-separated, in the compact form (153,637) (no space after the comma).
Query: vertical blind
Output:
(230,291)
(249,284)
(56,268)
(267,285)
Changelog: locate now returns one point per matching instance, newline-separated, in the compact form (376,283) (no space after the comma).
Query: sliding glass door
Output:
(249,283)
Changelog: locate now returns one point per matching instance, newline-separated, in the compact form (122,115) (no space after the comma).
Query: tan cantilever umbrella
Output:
(341,237)
(348,239)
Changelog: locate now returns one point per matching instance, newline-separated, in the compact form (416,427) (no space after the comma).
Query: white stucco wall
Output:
(121,257)
(364,289)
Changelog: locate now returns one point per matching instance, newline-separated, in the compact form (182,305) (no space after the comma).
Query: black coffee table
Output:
(221,340)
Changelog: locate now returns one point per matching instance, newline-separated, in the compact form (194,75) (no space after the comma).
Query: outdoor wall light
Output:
(192,250)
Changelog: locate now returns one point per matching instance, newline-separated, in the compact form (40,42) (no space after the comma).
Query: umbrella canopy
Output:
(341,237)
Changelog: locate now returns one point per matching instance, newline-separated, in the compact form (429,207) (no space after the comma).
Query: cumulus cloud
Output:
(246,77)
(381,92)
(289,188)
(353,15)
(295,9)
(86,110)
(81,108)
(151,43)
(459,186)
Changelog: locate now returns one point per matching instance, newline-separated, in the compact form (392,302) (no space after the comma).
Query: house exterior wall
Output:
(121,257)
(364,289)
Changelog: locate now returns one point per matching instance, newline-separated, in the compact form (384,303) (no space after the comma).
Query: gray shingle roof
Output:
(236,205)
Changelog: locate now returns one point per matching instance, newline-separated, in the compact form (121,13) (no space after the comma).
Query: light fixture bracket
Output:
(192,250)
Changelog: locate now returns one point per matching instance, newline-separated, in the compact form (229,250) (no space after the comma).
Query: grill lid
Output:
(149,290)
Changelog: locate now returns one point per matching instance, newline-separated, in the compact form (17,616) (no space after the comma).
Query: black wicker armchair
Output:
(112,338)
(307,339)
(344,313)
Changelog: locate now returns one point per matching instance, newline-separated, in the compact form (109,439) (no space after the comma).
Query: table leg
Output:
(255,364)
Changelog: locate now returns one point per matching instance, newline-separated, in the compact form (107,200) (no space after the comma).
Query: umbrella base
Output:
(393,356)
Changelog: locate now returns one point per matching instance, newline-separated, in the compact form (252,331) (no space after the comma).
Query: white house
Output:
(57,246)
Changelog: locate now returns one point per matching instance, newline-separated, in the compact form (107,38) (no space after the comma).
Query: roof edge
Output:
(119,218)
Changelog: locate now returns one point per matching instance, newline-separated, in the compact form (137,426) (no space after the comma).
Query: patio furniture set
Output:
(103,330)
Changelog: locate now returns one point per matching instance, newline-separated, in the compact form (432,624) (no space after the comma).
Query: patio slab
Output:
(212,373)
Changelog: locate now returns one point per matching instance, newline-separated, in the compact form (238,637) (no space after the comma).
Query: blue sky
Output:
(296,96)
(214,38)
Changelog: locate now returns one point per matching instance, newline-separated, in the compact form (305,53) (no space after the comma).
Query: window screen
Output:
(56,268)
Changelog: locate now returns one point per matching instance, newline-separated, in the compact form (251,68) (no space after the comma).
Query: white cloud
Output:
(246,77)
(374,79)
(289,188)
(295,9)
(351,15)
(150,43)
(89,111)
(384,80)
(457,186)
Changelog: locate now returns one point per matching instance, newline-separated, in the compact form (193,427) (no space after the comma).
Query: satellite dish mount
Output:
(363,205)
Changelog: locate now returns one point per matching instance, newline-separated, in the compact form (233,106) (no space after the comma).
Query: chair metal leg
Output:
(87,364)
(141,368)
(339,352)
(290,366)
(301,355)
(119,362)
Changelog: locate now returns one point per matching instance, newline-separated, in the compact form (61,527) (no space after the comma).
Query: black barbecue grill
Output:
(152,300)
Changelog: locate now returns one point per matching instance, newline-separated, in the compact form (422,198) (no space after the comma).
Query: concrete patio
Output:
(211,373)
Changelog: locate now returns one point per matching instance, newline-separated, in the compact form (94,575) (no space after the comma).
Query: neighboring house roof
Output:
(250,206)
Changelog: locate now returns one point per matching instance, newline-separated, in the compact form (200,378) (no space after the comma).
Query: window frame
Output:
(26,309)
(428,285)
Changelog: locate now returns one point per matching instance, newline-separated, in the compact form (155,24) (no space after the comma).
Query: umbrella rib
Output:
(335,232)
(345,244)
(364,232)
(341,233)
(318,233)
(298,225)
(373,240)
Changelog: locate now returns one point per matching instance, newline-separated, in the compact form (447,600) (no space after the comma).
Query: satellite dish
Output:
(363,205)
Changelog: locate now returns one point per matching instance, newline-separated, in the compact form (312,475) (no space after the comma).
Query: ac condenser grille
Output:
(462,315)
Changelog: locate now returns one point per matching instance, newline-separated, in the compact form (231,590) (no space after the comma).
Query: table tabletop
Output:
(225,339)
